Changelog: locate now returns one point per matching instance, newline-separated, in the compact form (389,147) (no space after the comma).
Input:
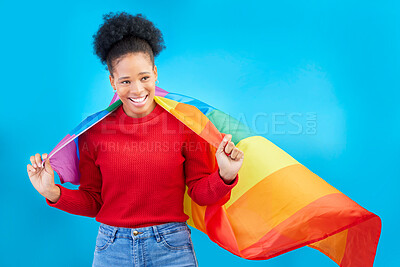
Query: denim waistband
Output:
(142,232)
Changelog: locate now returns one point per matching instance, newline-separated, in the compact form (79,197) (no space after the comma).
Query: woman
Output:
(135,163)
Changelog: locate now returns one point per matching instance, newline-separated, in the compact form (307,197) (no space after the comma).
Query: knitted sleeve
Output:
(85,201)
(205,186)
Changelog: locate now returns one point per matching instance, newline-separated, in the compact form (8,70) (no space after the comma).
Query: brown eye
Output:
(125,81)
(146,77)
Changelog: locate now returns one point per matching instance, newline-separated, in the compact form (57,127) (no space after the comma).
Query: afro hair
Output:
(122,33)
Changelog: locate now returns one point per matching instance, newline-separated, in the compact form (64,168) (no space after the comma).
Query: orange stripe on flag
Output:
(190,116)
(266,205)
(333,246)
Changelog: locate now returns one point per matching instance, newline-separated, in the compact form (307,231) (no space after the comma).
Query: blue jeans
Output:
(168,244)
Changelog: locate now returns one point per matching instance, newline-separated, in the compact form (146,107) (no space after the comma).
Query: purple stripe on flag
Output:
(65,161)
(66,139)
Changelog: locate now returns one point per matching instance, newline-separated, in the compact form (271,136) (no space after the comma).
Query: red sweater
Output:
(134,170)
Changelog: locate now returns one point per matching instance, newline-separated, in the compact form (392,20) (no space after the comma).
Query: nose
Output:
(136,89)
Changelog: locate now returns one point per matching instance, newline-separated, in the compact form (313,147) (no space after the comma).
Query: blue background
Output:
(338,60)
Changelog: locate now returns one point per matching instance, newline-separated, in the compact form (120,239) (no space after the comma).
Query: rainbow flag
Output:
(278,204)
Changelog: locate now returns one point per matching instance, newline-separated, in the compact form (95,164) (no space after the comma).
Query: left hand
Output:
(229,165)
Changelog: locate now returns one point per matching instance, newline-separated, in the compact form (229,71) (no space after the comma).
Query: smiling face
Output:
(134,79)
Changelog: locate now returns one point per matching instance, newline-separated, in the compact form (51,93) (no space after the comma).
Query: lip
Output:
(135,97)
(141,104)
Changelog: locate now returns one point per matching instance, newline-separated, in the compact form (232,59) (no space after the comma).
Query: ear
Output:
(155,72)
(112,82)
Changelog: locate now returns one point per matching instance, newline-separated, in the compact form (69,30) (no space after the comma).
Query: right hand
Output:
(42,178)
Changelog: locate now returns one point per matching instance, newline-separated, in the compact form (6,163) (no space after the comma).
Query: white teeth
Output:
(138,100)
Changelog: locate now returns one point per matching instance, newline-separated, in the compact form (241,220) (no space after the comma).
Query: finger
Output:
(223,143)
(30,169)
(234,153)
(240,155)
(44,156)
(38,159)
(47,165)
(33,161)
(229,147)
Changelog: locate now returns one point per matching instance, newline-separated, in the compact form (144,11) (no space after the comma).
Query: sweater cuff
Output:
(219,185)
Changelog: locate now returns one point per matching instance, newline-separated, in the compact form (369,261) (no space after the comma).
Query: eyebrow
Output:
(140,73)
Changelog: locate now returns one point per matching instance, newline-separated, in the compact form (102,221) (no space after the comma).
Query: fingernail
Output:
(34,165)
